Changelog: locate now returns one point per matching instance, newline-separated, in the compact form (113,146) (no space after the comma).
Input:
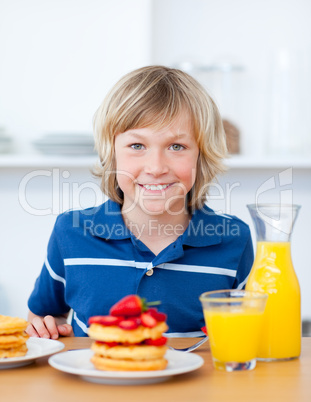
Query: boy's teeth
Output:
(155,187)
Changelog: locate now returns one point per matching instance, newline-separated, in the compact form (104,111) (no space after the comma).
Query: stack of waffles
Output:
(13,336)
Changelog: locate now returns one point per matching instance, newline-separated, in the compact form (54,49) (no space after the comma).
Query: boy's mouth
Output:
(155,187)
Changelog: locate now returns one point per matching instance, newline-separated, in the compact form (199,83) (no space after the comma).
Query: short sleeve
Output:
(48,295)
(245,265)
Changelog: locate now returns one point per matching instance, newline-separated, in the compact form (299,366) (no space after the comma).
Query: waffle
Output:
(128,358)
(116,334)
(130,338)
(12,336)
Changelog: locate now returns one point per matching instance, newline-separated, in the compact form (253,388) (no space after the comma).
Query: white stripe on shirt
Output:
(80,323)
(223,215)
(53,274)
(105,261)
(241,285)
(144,265)
(199,269)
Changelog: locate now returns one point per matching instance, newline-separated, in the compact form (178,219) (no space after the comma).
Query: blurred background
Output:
(59,58)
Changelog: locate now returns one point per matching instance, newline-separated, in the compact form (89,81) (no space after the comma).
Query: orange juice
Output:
(273,273)
(233,334)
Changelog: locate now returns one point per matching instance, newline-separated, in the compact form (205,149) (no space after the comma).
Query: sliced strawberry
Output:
(157,314)
(131,344)
(137,319)
(203,329)
(110,344)
(130,305)
(128,324)
(156,342)
(148,321)
(105,320)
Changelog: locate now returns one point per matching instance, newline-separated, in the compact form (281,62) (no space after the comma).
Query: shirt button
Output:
(149,272)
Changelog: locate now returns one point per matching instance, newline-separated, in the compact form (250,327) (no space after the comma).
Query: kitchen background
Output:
(59,58)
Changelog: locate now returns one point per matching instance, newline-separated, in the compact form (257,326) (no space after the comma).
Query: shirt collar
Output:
(108,222)
(203,230)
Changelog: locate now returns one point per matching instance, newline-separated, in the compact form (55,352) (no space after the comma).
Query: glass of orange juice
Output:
(233,319)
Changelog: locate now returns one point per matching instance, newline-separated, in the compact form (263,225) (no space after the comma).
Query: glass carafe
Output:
(274,274)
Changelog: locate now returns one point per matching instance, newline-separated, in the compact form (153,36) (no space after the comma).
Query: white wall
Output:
(58,59)
(26,227)
(252,34)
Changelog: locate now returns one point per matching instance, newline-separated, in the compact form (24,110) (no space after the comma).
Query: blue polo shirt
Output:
(93,260)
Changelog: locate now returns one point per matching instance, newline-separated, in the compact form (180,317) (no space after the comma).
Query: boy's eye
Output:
(137,147)
(176,147)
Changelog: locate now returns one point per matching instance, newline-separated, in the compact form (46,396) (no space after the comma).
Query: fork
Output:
(191,348)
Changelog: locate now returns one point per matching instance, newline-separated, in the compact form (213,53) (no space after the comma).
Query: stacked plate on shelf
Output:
(65,144)
(6,142)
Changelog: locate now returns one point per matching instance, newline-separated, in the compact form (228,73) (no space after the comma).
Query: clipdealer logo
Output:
(66,194)
(280,215)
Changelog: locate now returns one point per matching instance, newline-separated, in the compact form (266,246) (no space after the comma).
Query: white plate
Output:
(65,144)
(37,347)
(65,138)
(78,362)
(76,149)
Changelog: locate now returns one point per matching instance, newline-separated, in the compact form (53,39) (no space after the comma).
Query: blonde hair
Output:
(155,96)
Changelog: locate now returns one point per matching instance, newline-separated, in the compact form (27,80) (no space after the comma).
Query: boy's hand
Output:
(48,327)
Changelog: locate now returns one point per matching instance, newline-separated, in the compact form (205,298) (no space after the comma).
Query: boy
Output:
(160,140)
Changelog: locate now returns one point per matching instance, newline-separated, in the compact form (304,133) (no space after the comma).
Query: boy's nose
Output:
(156,163)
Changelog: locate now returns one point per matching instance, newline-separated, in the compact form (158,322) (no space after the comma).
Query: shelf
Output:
(46,161)
(82,162)
(268,162)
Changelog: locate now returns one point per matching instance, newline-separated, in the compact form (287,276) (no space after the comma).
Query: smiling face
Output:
(156,168)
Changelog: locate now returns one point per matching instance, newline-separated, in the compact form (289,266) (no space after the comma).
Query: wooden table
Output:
(277,381)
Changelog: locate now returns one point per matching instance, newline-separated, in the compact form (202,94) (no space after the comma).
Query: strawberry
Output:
(157,314)
(128,324)
(147,320)
(156,342)
(130,305)
(203,329)
(105,320)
